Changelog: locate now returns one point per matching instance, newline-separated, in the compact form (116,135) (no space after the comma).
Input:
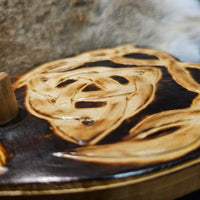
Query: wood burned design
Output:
(86,104)
(87,97)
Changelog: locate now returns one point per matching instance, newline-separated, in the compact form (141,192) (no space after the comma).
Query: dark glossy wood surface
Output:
(31,143)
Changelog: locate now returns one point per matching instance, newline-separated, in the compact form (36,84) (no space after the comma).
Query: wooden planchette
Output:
(114,123)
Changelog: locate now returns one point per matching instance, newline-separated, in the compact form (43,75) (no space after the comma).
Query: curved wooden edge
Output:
(166,184)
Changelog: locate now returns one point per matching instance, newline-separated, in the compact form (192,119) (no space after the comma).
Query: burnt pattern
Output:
(141,56)
(123,114)
(89,104)
(120,79)
(65,83)
(91,87)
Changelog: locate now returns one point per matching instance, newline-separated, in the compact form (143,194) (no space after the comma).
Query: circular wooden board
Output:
(114,123)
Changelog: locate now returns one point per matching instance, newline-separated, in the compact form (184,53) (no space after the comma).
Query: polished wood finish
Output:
(164,185)
(120,123)
(8,103)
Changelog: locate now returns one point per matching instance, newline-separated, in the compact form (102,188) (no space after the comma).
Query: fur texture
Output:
(33,32)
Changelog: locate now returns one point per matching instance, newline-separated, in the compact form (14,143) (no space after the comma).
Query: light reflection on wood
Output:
(159,137)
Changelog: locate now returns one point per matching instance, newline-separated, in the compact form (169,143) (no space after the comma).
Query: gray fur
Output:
(33,32)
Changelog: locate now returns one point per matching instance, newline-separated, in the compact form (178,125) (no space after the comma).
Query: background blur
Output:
(33,32)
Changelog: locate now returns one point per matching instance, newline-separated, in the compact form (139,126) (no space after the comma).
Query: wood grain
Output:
(164,185)
(8,103)
(116,123)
